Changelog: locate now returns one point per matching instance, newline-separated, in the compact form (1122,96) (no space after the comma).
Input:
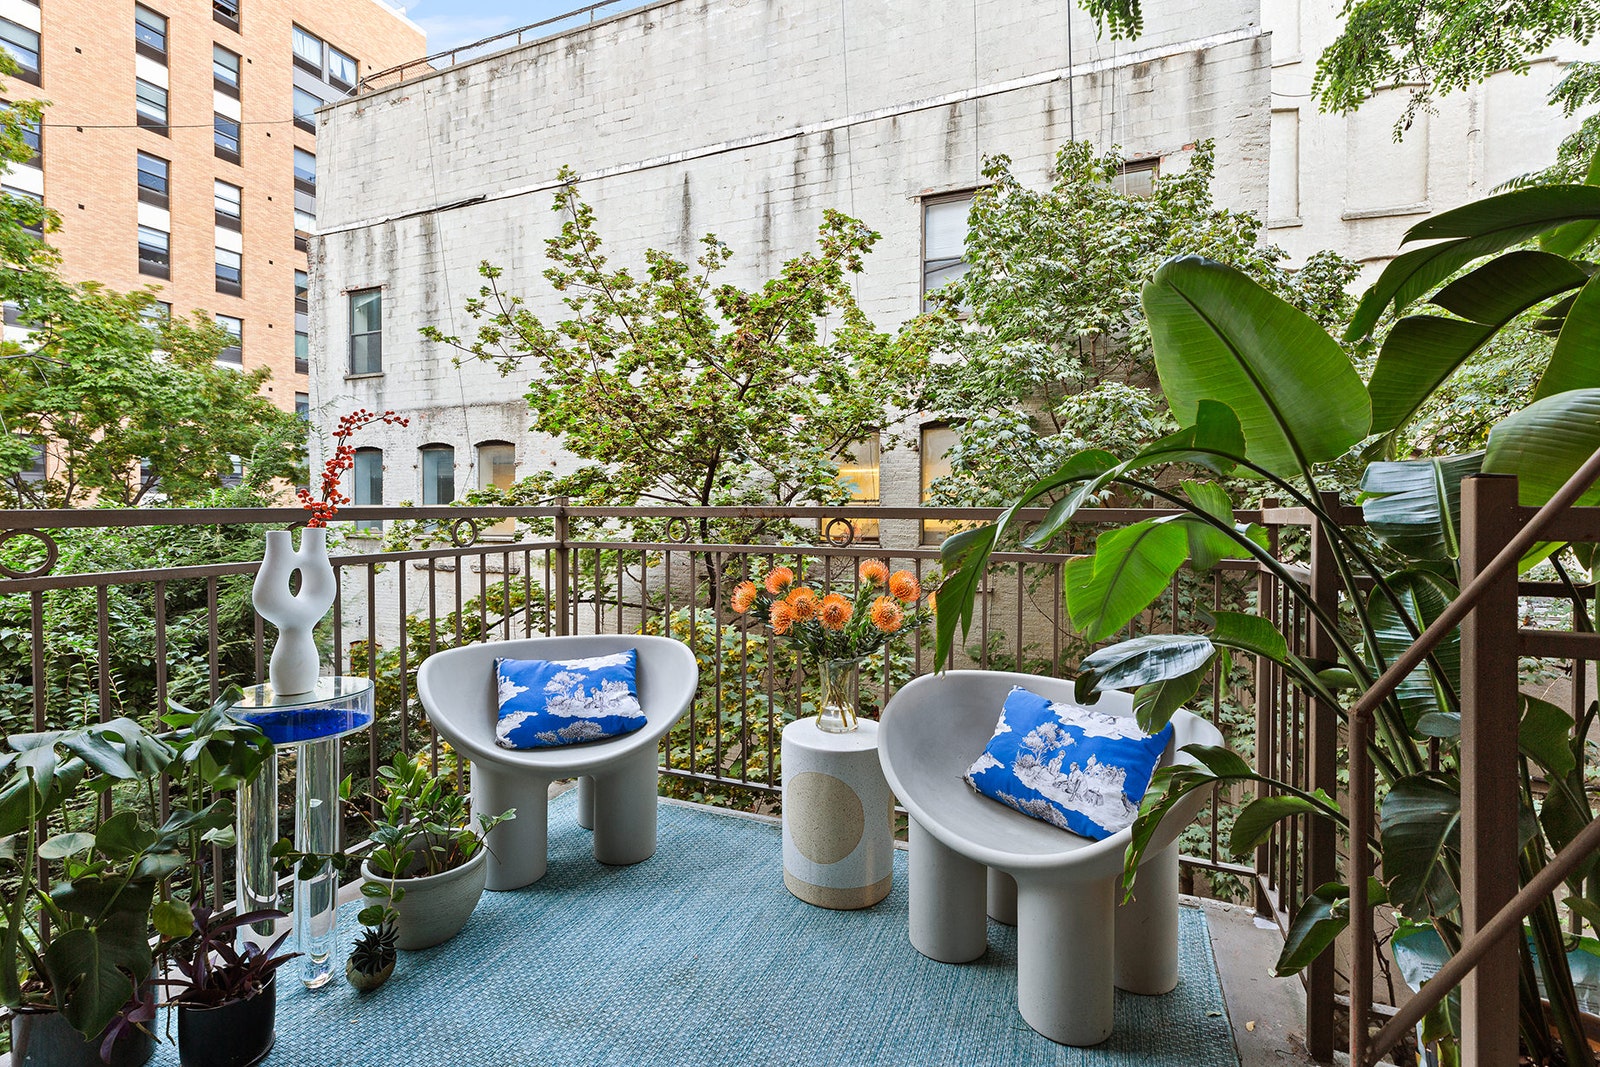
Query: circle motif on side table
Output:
(838,841)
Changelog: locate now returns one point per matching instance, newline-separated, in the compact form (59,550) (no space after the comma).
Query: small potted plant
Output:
(427,868)
(227,997)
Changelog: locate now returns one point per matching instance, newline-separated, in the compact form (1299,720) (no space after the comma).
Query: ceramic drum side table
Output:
(313,722)
(838,817)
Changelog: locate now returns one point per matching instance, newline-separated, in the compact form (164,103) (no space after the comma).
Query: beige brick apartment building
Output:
(179,148)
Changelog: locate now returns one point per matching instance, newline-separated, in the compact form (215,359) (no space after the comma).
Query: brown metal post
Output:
(1489,787)
(1266,706)
(563,570)
(1322,772)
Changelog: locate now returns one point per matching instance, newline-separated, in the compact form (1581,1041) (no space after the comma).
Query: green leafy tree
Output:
(1052,352)
(678,388)
(103,389)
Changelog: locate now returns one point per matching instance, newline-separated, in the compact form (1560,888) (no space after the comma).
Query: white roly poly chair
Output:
(616,776)
(971,856)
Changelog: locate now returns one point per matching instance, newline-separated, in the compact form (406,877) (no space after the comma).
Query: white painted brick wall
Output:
(688,75)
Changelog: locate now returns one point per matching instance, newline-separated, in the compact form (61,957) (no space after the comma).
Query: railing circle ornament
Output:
(471,525)
(52,552)
(679,530)
(840,539)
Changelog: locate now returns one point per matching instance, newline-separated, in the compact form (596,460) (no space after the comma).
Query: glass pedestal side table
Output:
(313,722)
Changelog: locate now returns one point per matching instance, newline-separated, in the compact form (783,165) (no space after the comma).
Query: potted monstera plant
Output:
(91,896)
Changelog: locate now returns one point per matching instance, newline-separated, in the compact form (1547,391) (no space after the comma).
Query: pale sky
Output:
(455,22)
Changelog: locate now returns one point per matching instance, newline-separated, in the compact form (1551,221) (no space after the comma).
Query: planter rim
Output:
(477,860)
(266,988)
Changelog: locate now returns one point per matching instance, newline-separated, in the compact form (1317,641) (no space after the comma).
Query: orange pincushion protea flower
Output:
(779,579)
(744,597)
(836,611)
(874,572)
(804,603)
(904,587)
(782,617)
(887,614)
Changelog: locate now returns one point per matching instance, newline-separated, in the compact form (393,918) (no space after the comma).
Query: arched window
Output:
(497,469)
(438,474)
(368,483)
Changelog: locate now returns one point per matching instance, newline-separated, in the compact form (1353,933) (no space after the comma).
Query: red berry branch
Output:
(343,458)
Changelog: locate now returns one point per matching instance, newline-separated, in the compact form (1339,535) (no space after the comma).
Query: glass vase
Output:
(836,710)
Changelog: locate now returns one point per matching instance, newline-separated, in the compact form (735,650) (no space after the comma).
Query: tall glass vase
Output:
(836,709)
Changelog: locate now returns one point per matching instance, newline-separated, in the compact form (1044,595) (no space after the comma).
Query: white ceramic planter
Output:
(435,908)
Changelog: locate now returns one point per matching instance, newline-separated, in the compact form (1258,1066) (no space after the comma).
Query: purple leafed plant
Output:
(214,971)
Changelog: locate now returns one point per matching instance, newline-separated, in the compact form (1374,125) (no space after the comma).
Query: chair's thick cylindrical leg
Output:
(1002,897)
(947,896)
(1147,927)
(586,802)
(1065,946)
(517,847)
(625,810)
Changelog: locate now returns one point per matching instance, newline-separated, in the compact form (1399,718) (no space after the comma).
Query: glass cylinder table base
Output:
(313,722)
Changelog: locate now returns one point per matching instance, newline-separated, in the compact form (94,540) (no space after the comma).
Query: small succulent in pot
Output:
(372,957)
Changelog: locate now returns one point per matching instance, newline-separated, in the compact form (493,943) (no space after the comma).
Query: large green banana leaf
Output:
(1478,229)
(1424,596)
(1423,350)
(1414,506)
(1575,363)
(1219,336)
(1545,443)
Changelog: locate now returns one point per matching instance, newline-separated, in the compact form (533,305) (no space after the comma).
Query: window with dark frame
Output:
(497,469)
(225,71)
(156,314)
(302,352)
(937,439)
(230,272)
(367,485)
(227,205)
(305,171)
(341,69)
(858,463)
(37,469)
(944,241)
(150,106)
(307,51)
(366,331)
(227,138)
(438,474)
(23,44)
(155,252)
(153,180)
(31,220)
(305,109)
(149,33)
(302,405)
(1137,177)
(33,137)
(226,12)
(233,355)
(302,291)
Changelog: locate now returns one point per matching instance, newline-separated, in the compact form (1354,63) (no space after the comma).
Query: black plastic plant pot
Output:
(46,1039)
(232,1035)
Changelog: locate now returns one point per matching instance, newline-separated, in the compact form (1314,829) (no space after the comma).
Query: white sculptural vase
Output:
(294,665)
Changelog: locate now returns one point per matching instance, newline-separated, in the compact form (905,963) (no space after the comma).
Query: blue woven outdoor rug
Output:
(699,956)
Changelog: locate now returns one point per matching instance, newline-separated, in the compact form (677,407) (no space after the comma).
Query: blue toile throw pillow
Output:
(1082,770)
(550,702)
